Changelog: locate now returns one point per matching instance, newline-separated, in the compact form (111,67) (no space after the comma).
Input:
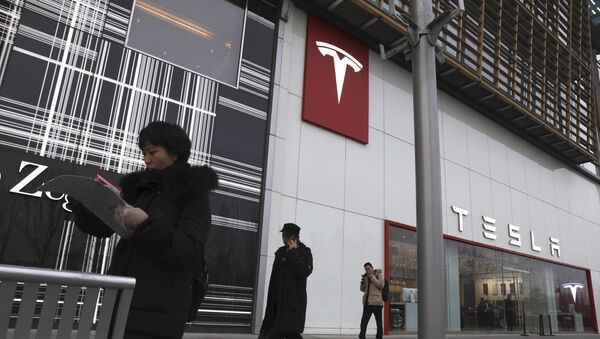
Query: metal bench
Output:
(67,296)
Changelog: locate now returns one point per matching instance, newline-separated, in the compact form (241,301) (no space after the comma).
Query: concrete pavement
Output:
(404,336)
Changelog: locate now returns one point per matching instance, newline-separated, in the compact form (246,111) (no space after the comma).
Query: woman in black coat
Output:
(285,314)
(171,217)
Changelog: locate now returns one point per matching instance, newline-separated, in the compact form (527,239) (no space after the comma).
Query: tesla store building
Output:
(521,227)
(304,123)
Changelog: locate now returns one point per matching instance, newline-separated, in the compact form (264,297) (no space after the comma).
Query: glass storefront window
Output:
(403,279)
(490,290)
(486,294)
(501,291)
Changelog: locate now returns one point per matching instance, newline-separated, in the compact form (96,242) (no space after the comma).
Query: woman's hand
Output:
(130,216)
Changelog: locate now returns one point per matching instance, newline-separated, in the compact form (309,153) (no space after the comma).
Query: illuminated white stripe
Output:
(116,82)
(234,223)
(237,163)
(238,174)
(11,28)
(229,299)
(236,195)
(59,78)
(11,14)
(132,100)
(242,108)
(201,310)
(230,184)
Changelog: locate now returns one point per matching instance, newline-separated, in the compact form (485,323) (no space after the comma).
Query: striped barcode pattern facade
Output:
(71,91)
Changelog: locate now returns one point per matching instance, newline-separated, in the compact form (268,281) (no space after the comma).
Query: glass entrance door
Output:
(514,281)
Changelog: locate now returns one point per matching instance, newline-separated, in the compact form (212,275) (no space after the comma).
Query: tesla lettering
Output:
(489,232)
(339,64)
(490,229)
(461,213)
(554,248)
(513,234)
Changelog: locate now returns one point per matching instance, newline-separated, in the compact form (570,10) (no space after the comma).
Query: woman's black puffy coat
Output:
(163,249)
(286,299)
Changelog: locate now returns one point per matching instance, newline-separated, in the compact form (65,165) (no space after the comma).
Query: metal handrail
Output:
(29,274)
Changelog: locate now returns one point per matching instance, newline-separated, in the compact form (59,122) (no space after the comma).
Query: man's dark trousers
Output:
(366,316)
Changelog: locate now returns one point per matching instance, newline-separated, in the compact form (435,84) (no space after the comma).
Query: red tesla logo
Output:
(336,81)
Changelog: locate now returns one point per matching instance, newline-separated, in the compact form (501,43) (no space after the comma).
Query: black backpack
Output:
(385,291)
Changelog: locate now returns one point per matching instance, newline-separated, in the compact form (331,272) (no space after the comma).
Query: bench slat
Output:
(87,314)
(106,311)
(7,295)
(59,309)
(30,293)
(122,312)
(46,323)
(67,314)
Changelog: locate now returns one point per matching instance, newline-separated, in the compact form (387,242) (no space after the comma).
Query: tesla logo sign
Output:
(336,81)
(339,64)
(573,288)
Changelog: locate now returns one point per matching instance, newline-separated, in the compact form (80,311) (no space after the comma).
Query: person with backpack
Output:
(372,285)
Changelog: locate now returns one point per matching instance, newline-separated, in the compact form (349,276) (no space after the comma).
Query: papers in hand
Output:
(96,197)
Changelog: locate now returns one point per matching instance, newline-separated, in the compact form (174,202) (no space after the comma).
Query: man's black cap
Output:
(290,228)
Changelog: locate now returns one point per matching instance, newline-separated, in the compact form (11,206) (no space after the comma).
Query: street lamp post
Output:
(432,316)
(423,30)
(433,311)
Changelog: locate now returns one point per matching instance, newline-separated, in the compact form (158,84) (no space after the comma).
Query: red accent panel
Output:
(387,225)
(397,224)
(386,260)
(326,47)
(592,302)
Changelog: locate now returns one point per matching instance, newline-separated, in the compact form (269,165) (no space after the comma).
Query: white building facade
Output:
(517,221)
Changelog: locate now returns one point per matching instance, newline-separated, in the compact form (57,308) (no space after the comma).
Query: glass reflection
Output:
(201,36)
(491,291)
(403,279)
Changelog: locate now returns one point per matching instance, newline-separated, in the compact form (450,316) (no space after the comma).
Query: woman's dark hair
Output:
(368,264)
(172,137)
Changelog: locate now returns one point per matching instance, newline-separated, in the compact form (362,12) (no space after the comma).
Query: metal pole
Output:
(524,323)
(432,314)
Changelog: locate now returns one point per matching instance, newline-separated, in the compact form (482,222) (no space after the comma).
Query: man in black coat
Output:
(286,300)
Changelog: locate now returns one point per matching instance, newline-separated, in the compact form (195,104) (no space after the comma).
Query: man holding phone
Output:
(286,300)
(371,284)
